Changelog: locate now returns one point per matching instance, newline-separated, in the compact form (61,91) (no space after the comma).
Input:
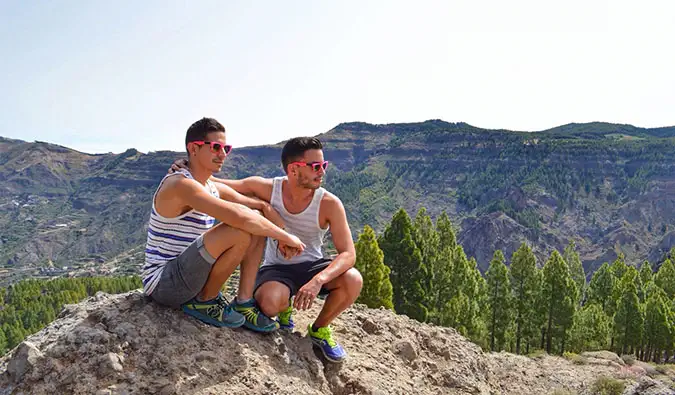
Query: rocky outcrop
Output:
(124,344)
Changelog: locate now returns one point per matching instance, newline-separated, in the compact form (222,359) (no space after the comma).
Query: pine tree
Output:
(3,342)
(427,240)
(601,289)
(404,259)
(658,326)
(397,255)
(665,278)
(499,300)
(377,290)
(591,329)
(628,321)
(446,234)
(526,284)
(443,266)
(576,269)
(560,294)
(646,277)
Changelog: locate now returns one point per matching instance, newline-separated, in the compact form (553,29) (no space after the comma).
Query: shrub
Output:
(607,386)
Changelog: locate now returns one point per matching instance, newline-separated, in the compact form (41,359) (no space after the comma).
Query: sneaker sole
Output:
(258,329)
(316,344)
(208,320)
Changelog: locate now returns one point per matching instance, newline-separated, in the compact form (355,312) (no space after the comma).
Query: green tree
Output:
(427,240)
(628,321)
(3,342)
(591,329)
(665,278)
(646,277)
(526,284)
(658,325)
(576,269)
(404,259)
(377,290)
(601,289)
(559,296)
(499,300)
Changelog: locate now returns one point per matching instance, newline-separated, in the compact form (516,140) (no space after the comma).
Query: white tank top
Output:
(304,225)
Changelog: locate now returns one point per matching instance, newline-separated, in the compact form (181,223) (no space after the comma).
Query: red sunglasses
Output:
(216,147)
(314,165)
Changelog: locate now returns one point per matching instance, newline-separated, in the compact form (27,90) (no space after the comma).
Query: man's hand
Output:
(286,251)
(306,295)
(294,244)
(177,165)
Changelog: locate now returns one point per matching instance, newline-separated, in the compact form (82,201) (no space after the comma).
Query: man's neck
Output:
(201,175)
(298,193)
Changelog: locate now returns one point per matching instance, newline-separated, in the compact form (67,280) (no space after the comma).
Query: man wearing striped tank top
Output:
(307,211)
(188,258)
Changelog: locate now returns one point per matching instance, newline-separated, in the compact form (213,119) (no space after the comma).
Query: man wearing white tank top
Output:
(307,211)
(188,257)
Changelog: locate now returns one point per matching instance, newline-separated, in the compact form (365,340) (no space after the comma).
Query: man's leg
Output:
(228,245)
(244,303)
(249,267)
(344,290)
(273,297)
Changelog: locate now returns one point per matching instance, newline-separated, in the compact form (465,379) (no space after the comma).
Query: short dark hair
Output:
(198,130)
(296,147)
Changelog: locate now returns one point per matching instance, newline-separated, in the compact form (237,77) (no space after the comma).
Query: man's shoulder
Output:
(330,200)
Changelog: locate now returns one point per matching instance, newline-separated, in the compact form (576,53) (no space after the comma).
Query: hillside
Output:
(609,187)
(122,344)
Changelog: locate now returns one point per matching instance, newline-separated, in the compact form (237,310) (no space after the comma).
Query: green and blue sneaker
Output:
(255,319)
(214,312)
(323,339)
(285,318)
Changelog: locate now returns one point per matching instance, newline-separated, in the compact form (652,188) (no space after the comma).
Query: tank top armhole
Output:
(154,195)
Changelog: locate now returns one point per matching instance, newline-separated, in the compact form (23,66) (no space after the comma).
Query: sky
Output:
(102,76)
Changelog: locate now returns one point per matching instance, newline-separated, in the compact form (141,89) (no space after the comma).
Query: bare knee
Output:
(271,303)
(353,281)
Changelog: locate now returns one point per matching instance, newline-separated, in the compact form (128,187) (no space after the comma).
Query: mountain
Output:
(610,188)
(122,344)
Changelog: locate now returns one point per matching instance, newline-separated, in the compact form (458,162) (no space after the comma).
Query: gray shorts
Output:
(184,276)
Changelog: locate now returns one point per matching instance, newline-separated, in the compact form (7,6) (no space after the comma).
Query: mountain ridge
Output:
(611,191)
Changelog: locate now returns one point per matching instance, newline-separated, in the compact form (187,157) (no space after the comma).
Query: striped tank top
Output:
(304,225)
(169,237)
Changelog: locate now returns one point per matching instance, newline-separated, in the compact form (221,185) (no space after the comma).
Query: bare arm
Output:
(230,194)
(232,214)
(251,186)
(342,238)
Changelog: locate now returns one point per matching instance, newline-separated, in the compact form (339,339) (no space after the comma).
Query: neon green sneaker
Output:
(285,319)
(323,339)
(255,319)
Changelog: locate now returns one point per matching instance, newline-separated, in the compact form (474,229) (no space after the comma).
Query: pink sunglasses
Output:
(216,147)
(314,165)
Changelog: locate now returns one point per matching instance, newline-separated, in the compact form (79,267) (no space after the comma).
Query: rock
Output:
(110,362)
(606,355)
(119,344)
(371,327)
(23,360)
(647,368)
(406,350)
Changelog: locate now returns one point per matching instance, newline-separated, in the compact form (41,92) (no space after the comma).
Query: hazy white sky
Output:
(103,76)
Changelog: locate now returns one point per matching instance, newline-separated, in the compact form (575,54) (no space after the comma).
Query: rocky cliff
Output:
(124,344)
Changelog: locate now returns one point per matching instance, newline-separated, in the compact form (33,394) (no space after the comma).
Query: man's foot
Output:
(285,318)
(255,320)
(323,339)
(215,312)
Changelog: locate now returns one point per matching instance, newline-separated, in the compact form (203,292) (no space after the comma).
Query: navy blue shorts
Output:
(294,276)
